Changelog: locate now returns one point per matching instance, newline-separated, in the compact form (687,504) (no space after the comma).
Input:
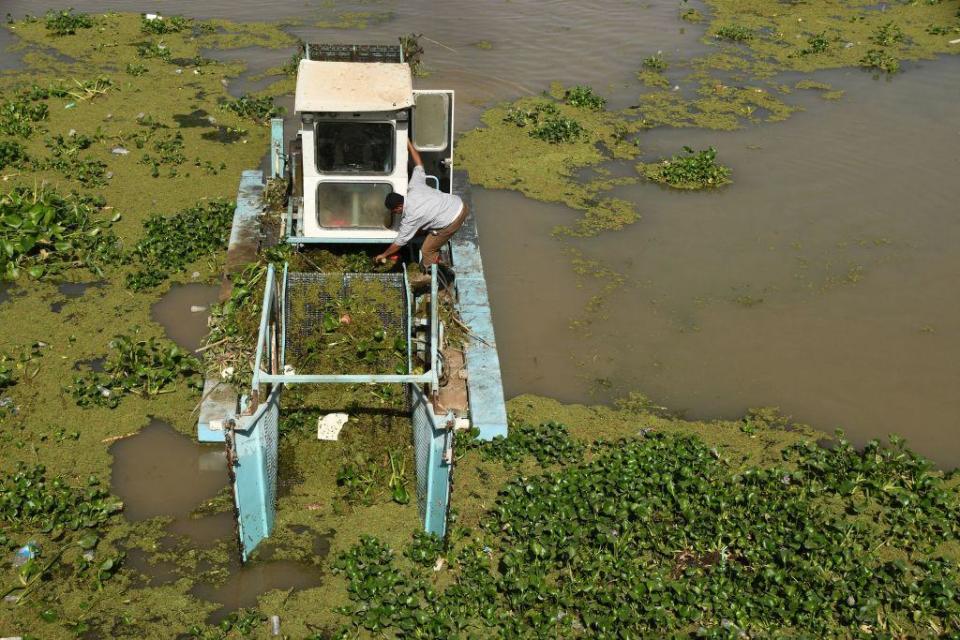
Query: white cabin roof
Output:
(353,86)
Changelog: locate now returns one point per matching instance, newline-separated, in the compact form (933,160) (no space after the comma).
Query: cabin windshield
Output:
(354,147)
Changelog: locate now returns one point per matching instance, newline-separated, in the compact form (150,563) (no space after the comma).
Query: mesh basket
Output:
(311,290)
(356,52)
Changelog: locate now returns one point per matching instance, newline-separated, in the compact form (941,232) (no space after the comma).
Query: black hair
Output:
(392,201)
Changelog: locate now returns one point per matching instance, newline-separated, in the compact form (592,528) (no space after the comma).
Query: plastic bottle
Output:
(25,553)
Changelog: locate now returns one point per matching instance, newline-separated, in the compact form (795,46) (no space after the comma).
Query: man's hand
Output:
(387,253)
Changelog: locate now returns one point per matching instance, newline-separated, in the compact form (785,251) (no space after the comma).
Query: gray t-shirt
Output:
(425,208)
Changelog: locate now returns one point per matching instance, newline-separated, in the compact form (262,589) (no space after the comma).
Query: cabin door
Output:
(431,129)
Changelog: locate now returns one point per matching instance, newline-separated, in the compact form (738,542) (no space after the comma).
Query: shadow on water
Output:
(74,290)
(162,473)
(183,312)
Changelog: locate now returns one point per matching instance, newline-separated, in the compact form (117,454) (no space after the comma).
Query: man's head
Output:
(394,202)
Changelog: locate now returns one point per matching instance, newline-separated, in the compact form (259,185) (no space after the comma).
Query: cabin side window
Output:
(354,148)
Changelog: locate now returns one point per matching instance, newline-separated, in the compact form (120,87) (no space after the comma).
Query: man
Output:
(425,209)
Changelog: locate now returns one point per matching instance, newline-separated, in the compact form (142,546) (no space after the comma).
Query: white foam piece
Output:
(330,425)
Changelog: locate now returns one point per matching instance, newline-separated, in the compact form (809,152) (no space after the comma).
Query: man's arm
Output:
(394,247)
(417,160)
(389,251)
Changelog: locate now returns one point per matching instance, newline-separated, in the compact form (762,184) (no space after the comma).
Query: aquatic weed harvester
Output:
(356,110)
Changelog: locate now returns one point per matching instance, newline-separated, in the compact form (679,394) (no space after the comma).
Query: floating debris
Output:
(330,425)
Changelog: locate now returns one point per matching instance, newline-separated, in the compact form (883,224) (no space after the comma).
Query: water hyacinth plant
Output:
(160,25)
(19,114)
(546,123)
(660,536)
(655,63)
(548,443)
(147,367)
(56,529)
(258,109)
(693,170)
(880,60)
(172,243)
(66,22)
(44,233)
(734,33)
(12,154)
(584,98)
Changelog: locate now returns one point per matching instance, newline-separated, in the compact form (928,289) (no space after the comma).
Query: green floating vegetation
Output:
(354,20)
(347,334)
(66,22)
(813,36)
(160,25)
(65,157)
(816,44)
(734,33)
(154,50)
(692,170)
(18,115)
(425,549)
(32,504)
(827,92)
(544,166)
(583,97)
(361,479)
(717,106)
(258,109)
(8,374)
(548,443)
(660,535)
(887,35)
(172,243)
(413,53)
(12,154)
(43,233)
(655,63)
(692,15)
(880,60)
(546,123)
(57,527)
(147,367)
(236,624)
(167,151)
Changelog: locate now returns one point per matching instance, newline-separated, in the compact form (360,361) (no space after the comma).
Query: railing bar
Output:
(264,319)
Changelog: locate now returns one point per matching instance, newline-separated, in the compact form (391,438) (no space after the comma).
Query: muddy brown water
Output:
(183,312)
(162,473)
(823,280)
